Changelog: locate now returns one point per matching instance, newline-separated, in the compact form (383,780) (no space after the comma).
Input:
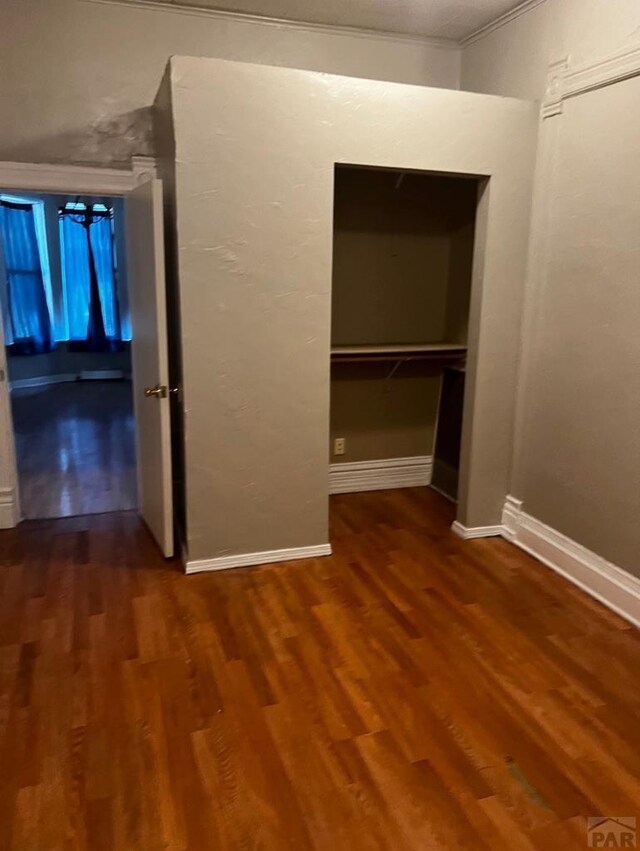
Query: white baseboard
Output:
(511,514)
(250,559)
(470,532)
(607,582)
(8,508)
(612,586)
(382,474)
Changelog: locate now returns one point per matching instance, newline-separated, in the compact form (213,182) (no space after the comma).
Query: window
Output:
(89,276)
(26,291)
(59,276)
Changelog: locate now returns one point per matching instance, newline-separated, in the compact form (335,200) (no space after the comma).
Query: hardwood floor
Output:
(75,446)
(411,692)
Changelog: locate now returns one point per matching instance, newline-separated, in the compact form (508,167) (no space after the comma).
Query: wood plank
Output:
(75,448)
(411,691)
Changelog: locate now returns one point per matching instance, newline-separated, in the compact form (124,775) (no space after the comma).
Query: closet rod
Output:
(440,352)
(438,358)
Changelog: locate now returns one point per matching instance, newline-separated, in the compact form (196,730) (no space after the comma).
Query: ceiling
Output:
(450,19)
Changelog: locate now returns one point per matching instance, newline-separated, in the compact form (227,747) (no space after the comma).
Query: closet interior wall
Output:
(402,263)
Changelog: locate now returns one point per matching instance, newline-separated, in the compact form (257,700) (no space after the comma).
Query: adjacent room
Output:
(319,425)
(67,335)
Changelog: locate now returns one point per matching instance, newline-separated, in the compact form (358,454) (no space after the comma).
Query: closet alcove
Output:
(248,155)
(402,267)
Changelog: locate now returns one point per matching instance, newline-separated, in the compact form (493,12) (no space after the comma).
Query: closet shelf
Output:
(399,352)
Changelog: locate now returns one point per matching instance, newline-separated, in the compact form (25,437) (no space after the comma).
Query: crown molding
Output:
(279,23)
(193,9)
(496,24)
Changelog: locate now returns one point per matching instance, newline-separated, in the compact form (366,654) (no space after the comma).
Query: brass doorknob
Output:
(160,391)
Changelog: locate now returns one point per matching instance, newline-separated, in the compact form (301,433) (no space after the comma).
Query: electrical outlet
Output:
(339,446)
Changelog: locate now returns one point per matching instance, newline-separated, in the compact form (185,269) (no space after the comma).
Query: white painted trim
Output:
(280,23)
(496,24)
(511,513)
(251,559)
(468,533)
(613,68)
(554,92)
(73,179)
(564,82)
(144,168)
(9,514)
(608,583)
(381,474)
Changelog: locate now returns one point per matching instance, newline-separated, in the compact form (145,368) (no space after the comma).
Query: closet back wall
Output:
(255,153)
(402,264)
(382,415)
(393,256)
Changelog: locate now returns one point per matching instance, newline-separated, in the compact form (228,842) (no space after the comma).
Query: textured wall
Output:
(577,460)
(255,151)
(78,78)
(580,470)
(381,416)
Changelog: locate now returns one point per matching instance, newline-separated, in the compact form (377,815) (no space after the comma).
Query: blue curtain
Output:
(90,282)
(27,320)
(75,271)
(102,245)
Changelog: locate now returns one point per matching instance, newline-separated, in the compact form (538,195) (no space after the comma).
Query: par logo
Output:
(619,832)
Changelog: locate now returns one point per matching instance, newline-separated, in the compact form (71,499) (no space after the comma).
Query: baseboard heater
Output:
(69,377)
(101,374)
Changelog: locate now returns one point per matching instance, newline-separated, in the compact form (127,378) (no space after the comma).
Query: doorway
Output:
(402,272)
(128,395)
(67,336)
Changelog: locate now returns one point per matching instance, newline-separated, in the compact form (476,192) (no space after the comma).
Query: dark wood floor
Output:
(75,446)
(413,691)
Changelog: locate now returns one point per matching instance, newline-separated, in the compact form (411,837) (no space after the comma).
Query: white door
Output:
(147,304)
